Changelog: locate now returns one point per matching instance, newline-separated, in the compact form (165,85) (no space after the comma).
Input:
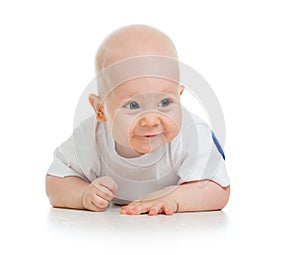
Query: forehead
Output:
(143,85)
(143,73)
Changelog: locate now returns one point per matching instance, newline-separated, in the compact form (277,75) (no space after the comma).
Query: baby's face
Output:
(143,114)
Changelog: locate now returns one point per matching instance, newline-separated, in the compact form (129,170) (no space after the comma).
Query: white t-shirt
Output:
(192,155)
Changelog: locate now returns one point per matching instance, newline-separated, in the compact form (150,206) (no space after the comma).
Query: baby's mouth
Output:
(149,136)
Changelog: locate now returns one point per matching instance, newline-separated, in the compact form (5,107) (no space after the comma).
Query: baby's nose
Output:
(149,120)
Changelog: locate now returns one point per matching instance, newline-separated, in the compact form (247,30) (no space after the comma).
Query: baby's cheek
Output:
(171,133)
(172,125)
(120,128)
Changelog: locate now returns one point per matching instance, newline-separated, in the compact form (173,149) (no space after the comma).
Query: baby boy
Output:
(142,149)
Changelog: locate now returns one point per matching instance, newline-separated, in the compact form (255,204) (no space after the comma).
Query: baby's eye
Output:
(132,105)
(164,103)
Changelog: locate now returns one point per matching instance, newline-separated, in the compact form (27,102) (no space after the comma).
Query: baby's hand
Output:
(165,204)
(97,196)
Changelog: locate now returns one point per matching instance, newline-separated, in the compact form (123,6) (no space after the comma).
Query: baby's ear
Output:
(181,89)
(98,107)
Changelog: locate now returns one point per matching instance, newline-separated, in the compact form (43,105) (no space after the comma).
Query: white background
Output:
(249,53)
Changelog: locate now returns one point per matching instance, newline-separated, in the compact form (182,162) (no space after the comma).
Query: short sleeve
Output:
(78,155)
(65,162)
(202,156)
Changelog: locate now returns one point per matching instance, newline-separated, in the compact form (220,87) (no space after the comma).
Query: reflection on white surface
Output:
(256,219)
(83,230)
(111,230)
(112,223)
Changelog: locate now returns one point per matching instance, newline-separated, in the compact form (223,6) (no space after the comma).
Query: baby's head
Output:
(132,41)
(142,112)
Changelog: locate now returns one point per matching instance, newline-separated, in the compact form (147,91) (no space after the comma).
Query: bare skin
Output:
(90,196)
(74,192)
(187,197)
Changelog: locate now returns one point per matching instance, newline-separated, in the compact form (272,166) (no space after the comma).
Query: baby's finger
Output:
(100,202)
(95,208)
(167,209)
(92,207)
(155,209)
(108,182)
(135,208)
(103,192)
(127,209)
(131,205)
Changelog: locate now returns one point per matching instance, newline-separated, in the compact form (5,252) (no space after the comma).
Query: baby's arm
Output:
(187,197)
(74,192)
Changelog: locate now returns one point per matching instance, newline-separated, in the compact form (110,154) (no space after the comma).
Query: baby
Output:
(142,149)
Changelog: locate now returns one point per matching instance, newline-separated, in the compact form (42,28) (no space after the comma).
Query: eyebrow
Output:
(130,95)
(127,95)
(167,91)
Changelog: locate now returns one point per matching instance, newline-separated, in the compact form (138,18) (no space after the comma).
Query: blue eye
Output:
(132,105)
(164,103)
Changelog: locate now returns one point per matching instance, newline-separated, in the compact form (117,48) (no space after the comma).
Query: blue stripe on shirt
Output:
(218,145)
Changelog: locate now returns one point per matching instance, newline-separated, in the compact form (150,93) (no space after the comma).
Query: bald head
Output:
(132,41)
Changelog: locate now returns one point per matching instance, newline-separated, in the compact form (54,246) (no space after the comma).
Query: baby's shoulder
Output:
(191,120)
(84,134)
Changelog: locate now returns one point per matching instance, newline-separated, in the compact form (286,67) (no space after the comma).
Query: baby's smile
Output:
(150,136)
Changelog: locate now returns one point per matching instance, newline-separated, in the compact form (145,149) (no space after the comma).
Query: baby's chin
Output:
(134,151)
(147,149)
